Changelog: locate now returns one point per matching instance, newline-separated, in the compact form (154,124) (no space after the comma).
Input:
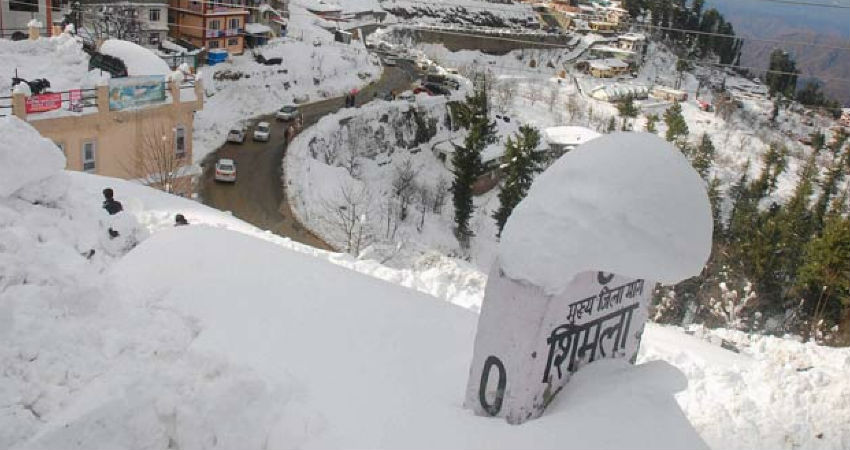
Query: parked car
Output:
(384,95)
(225,170)
(288,112)
(262,131)
(407,95)
(437,89)
(236,135)
(421,90)
(389,61)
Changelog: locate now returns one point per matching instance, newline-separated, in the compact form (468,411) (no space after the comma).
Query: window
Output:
(213,44)
(180,142)
(214,25)
(153,14)
(234,23)
(233,42)
(89,156)
(24,5)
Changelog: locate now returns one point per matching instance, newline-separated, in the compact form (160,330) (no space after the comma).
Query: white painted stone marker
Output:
(577,264)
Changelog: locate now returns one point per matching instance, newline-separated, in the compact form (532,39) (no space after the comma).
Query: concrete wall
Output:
(486,44)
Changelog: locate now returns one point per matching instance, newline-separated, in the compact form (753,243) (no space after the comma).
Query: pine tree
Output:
(612,125)
(676,126)
(520,162)
(829,187)
(825,276)
(704,156)
(781,77)
(796,229)
(650,123)
(627,109)
(473,115)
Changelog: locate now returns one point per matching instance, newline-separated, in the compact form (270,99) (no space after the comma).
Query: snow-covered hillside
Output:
(168,346)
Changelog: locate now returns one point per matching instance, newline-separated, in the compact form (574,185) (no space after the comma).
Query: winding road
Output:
(257,196)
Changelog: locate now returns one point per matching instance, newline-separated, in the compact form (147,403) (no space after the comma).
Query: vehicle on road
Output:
(385,95)
(407,95)
(225,170)
(437,89)
(262,131)
(236,135)
(288,112)
(389,61)
(422,90)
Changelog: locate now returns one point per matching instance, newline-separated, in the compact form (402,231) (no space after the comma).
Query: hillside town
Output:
(201,199)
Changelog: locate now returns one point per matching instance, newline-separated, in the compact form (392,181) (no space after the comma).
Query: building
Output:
(324,10)
(633,42)
(15,15)
(274,14)
(669,94)
(565,138)
(608,68)
(607,51)
(617,92)
(210,24)
(118,127)
(845,117)
(144,22)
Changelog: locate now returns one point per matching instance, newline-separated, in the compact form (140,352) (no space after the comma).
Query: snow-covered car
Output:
(389,61)
(225,170)
(407,95)
(288,112)
(236,135)
(262,131)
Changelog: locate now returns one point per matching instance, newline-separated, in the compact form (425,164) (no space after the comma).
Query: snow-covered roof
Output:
(610,49)
(618,91)
(569,135)
(627,203)
(257,28)
(321,6)
(632,37)
(60,59)
(139,60)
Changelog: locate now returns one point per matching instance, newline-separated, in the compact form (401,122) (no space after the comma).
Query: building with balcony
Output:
(15,16)
(144,22)
(211,24)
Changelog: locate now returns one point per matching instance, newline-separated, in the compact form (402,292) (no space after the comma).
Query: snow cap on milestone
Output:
(25,156)
(139,60)
(628,203)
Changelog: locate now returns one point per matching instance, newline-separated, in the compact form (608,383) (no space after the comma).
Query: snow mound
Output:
(25,156)
(60,59)
(139,60)
(628,203)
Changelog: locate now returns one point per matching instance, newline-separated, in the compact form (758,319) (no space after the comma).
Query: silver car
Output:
(225,170)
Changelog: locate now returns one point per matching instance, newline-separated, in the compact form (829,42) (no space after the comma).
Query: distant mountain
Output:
(795,23)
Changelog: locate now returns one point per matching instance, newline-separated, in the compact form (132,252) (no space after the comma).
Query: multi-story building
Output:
(15,15)
(212,24)
(144,22)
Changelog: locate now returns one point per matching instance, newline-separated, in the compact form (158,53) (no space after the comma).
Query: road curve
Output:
(257,196)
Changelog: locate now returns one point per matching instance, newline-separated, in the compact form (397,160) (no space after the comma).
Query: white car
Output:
(225,170)
(288,112)
(262,131)
(236,135)
(390,61)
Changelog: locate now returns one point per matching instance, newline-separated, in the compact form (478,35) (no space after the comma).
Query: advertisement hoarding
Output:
(131,92)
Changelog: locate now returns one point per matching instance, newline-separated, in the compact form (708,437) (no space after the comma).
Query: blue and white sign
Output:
(131,92)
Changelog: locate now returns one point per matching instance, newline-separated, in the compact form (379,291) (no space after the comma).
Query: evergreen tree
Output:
(651,119)
(796,229)
(781,77)
(677,128)
(825,276)
(704,156)
(473,115)
(612,125)
(818,140)
(520,162)
(627,109)
(829,187)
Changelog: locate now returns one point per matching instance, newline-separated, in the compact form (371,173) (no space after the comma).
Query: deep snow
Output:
(169,346)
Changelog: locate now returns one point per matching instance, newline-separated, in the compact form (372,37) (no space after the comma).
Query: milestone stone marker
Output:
(529,343)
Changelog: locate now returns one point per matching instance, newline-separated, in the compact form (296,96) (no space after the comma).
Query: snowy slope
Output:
(169,346)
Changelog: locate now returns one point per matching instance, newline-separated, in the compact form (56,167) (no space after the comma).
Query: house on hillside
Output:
(324,10)
(669,94)
(144,22)
(607,68)
(117,128)
(208,24)
(565,138)
(634,42)
(845,117)
(617,92)
(273,14)
(16,15)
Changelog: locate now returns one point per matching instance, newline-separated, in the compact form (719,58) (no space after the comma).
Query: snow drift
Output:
(628,203)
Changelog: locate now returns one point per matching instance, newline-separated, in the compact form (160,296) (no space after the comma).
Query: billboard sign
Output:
(44,102)
(131,92)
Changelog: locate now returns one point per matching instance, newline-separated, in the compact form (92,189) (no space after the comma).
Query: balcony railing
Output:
(225,33)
